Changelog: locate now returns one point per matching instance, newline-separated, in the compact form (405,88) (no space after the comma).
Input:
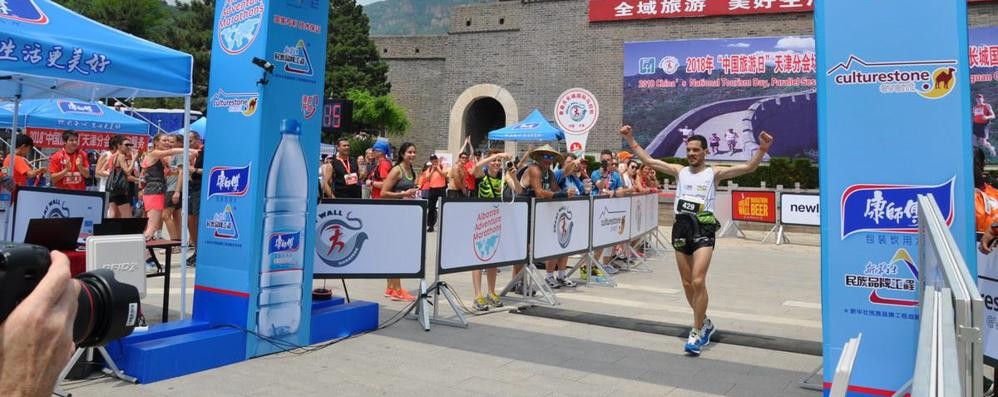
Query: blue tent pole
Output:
(8,170)
(185,237)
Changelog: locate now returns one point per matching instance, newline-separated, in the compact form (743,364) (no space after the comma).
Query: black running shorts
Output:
(689,234)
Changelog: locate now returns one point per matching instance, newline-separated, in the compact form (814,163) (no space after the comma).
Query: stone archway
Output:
(469,100)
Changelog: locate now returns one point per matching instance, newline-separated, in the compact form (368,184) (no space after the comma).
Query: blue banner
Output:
(892,103)
(268,59)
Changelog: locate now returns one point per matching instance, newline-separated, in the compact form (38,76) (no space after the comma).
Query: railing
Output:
(949,361)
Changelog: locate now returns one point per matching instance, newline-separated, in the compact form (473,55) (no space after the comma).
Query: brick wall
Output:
(541,49)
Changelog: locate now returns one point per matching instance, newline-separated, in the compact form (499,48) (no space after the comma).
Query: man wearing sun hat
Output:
(543,182)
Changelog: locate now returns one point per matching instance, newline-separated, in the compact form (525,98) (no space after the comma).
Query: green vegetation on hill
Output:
(412,17)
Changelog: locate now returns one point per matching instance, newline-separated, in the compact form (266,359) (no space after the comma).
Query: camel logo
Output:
(56,209)
(488,231)
(929,79)
(887,281)
(239,24)
(23,11)
(341,238)
(563,225)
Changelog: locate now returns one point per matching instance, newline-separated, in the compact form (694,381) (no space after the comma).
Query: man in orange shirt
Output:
(437,184)
(69,167)
(22,169)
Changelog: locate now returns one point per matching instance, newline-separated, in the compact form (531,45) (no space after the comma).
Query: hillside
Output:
(411,17)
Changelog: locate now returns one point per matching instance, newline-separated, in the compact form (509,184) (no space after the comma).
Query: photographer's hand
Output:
(36,340)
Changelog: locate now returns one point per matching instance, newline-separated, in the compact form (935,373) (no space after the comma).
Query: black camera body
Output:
(107,309)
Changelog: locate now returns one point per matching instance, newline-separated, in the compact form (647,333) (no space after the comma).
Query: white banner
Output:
(560,227)
(475,234)
(370,239)
(800,209)
(644,214)
(652,212)
(611,218)
(987,283)
(56,203)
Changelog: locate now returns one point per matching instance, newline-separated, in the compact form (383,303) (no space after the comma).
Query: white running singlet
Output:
(695,192)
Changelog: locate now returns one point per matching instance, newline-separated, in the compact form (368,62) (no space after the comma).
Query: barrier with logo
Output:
(40,202)
(987,284)
(560,227)
(610,223)
(644,214)
(800,209)
(476,234)
(351,237)
(880,101)
(753,206)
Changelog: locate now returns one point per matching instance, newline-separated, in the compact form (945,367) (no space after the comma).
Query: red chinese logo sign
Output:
(753,206)
(52,138)
(622,10)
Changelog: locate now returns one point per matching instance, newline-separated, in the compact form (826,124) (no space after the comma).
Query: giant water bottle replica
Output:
(282,268)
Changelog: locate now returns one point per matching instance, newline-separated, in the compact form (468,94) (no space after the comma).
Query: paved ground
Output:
(755,288)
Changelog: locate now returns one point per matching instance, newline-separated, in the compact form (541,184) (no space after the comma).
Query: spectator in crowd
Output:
(99,170)
(490,184)
(381,167)
(22,168)
(436,184)
(650,178)
(194,192)
(401,184)
(457,185)
(575,174)
(541,181)
(607,181)
(69,167)
(120,160)
(171,213)
(366,164)
(325,176)
(344,174)
(983,114)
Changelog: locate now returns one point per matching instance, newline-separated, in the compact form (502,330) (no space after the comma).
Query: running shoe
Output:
(693,343)
(611,268)
(151,266)
(494,300)
(404,295)
(566,283)
(389,292)
(481,305)
(552,283)
(706,332)
(193,260)
(599,279)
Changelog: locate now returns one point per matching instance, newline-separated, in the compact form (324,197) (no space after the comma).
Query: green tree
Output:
(190,31)
(352,60)
(377,113)
(142,18)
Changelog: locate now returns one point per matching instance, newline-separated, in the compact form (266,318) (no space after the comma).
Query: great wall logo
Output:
(929,79)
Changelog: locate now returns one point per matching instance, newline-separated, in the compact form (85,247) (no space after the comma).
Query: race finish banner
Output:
(351,236)
(868,192)
(561,227)
(477,234)
(753,206)
(611,216)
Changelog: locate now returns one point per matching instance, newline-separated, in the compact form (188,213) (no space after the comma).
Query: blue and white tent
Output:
(534,128)
(68,114)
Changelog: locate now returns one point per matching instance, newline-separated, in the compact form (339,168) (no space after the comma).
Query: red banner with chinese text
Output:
(622,10)
(753,206)
(89,140)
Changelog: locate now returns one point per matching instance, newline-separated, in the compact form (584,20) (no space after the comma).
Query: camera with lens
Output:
(107,309)
(604,164)
(509,164)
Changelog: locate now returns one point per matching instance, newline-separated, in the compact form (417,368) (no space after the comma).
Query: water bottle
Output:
(282,266)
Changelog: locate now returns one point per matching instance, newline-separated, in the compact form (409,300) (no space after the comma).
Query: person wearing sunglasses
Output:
(695,225)
(541,181)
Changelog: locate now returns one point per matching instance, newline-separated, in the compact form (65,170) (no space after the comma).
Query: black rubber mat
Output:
(680,331)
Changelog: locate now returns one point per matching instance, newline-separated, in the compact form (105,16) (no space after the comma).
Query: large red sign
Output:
(753,206)
(89,140)
(622,10)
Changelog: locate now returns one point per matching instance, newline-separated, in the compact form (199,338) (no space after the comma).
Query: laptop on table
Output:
(54,233)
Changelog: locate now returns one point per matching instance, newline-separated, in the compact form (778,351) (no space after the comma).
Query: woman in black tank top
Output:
(400,184)
(154,193)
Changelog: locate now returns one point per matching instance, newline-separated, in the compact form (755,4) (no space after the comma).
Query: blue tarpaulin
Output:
(47,50)
(534,128)
(65,114)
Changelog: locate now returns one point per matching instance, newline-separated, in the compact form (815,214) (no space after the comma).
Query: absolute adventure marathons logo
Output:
(563,225)
(931,79)
(883,208)
(341,238)
(892,282)
(56,209)
(223,224)
(239,24)
(488,231)
(295,59)
(243,103)
(23,11)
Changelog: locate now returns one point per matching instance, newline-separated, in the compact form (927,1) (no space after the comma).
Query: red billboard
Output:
(753,206)
(622,10)
(89,140)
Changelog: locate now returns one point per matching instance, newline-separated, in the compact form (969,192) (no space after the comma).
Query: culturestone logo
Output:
(488,231)
(929,79)
(341,238)
(243,103)
(563,225)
